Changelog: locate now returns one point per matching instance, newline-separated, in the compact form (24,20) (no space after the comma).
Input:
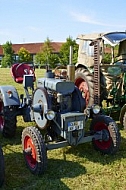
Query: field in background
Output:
(69,168)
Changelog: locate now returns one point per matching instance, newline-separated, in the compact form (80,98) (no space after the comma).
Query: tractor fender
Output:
(9,96)
(79,65)
(122,112)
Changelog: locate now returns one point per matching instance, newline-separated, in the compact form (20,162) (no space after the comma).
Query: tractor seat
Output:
(18,70)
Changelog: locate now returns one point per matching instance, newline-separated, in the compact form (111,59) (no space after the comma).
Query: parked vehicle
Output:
(57,108)
(107,80)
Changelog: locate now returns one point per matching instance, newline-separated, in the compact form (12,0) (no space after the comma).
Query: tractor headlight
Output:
(96,109)
(49,114)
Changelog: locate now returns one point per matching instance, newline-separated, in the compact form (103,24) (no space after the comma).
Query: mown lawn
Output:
(80,168)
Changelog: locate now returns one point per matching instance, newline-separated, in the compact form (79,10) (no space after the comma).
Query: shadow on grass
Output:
(16,140)
(64,169)
(17,175)
(87,151)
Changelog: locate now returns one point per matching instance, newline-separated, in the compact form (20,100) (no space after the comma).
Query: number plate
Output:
(76,125)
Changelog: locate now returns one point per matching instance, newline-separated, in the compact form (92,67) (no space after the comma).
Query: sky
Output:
(30,21)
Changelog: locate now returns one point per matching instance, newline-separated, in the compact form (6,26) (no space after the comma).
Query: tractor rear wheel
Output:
(7,120)
(2,171)
(34,150)
(84,81)
(110,142)
(124,121)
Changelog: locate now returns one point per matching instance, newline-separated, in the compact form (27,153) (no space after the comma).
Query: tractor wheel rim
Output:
(105,143)
(30,158)
(1,117)
(83,87)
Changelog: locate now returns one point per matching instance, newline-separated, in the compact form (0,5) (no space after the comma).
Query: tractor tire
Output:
(84,81)
(110,134)
(34,150)
(124,121)
(2,169)
(8,121)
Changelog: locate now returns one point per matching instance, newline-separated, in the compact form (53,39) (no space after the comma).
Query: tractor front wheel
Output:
(2,171)
(110,141)
(34,150)
(7,120)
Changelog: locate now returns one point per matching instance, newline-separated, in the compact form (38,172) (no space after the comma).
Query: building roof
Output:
(33,48)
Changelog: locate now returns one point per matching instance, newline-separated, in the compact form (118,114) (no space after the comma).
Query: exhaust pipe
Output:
(71,67)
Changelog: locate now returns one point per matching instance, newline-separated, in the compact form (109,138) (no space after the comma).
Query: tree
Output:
(46,55)
(8,57)
(65,51)
(107,58)
(24,55)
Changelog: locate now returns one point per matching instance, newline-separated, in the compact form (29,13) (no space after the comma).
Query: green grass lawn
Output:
(69,168)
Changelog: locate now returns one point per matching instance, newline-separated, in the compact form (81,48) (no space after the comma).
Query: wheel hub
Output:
(105,135)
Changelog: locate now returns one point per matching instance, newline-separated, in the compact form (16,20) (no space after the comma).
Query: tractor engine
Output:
(58,109)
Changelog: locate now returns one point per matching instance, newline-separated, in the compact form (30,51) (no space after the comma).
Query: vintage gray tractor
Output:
(60,113)
(2,170)
(10,103)
(106,79)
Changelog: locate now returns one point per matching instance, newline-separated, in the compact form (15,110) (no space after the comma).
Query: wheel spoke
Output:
(31,153)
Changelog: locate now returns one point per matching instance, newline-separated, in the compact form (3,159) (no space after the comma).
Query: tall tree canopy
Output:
(8,57)
(47,56)
(65,51)
(24,55)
